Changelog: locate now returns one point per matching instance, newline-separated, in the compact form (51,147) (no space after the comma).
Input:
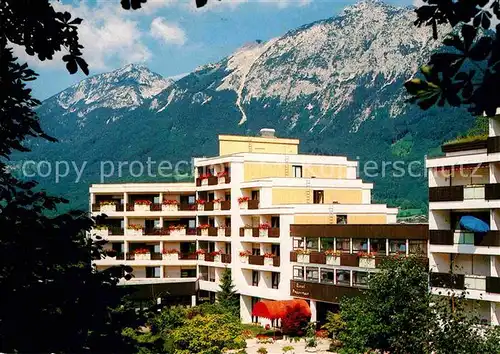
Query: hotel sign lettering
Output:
(300,289)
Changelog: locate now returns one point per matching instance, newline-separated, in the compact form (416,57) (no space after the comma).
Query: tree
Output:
(208,334)
(227,296)
(295,321)
(465,71)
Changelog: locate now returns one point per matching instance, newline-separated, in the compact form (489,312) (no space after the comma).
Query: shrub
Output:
(262,350)
(295,322)
(334,324)
(288,349)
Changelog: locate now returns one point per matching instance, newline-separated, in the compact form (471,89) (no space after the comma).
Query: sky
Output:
(172,37)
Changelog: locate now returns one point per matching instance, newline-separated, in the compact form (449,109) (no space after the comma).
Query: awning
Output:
(278,309)
(474,224)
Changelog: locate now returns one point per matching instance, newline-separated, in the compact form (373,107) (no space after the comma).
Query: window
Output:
(342,219)
(327,243)
(275,221)
(298,273)
(377,245)
(359,245)
(211,275)
(298,243)
(255,251)
(417,247)
(191,223)
(297,171)
(360,278)
(318,197)
(152,272)
(188,273)
(397,246)
(343,277)
(228,247)
(255,278)
(255,195)
(312,243)
(312,274)
(191,199)
(275,279)
(343,245)
(327,275)
(276,250)
(204,273)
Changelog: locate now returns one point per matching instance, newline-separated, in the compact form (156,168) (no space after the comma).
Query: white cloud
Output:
(168,32)
(108,34)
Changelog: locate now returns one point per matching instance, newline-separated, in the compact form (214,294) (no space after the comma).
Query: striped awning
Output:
(278,309)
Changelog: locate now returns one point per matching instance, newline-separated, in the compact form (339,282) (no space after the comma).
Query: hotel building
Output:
(261,209)
(466,183)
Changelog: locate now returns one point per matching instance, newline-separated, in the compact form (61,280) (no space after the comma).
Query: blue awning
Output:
(474,224)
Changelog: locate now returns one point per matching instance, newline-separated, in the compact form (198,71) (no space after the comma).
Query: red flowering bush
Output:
(268,255)
(264,226)
(143,202)
(222,174)
(170,202)
(200,201)
(171,251)
(215,253)
(245,253)
(322,333)
(205,176)
(135,227)
(203,226)
(216,200)
(295,322)
(107,202)
(200,251)
(366,254)
(141,251)
(243,199)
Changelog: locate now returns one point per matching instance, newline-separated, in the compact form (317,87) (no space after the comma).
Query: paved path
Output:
(276,348)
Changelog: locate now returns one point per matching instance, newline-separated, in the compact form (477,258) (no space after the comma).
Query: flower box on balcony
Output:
(218,258)
(107,208)
(170,207)
(332,260)
(142,254)
(269,259)
(201,256)
(303,256)
(264,230)
(134,230)
(170,255)
(248,232)
(367,262)
(221,180)
(142,205)
(243,205)
(244,256)
(102,232)
(221,232)
(177,231)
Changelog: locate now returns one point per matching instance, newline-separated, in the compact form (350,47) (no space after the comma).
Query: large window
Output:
(318,197)
(203,273)
(211,275)
(343,245)
(255,278)
(188,273)
(343,277)
(342,219)
(377,245)
(312,274)
(397,246)
(152,272)
(360,278)
(327,275)
(327,243)
(312,243)
(417,247)
(359,245)
(298,243)
(298,273)
(297,171)
(275,279)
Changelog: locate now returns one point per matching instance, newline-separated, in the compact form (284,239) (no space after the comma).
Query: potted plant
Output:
(217,256)
(243,202)
(303,256)
(264,229)
(101,230)
(288,349)
(107,206)
(262,350)
(177,230)
(142,254)
(332,257)
(204,179)
(366,259)
(244,256)
(170,205)
(217,205)
(248,231)
(221,231)
(203,229)
(142,205)
(200,204)
(200,254)
(134,230)
(221,177)
(170,255)
(268,259)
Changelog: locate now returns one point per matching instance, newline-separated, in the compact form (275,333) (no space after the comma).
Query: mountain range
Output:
(337,84)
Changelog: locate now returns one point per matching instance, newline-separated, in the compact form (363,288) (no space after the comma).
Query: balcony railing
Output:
(376,231)
(253,204)
(157,231)
(256,260)
(96,208)
(254,231)
(349,260)
(276,261)
(447,280)
(490,239)
(317,258)
(187,207)
(493,285)
(441,237)
(493,144)
(226,258)
(492,191)
(446,194)
(188,256)
(471,145)
(274,232)
(293,256)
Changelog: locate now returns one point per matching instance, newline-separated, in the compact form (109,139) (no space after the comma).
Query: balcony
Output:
(217,232)
(322,292)
(490,239)
(223,205)
(256,260)
(441,237)
(447,280)
(446,194)
(492,191)
(273,232)
(226,258)
(376,231)
(209,181)
(493,144)
(466,146)
(493,285)
(98,208)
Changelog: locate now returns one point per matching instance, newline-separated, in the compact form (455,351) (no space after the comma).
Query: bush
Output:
(334,324)
(262,350)
(295,322)
(288,349)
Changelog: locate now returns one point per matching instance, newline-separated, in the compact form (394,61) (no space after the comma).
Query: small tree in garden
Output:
(227,296)
(295,322)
